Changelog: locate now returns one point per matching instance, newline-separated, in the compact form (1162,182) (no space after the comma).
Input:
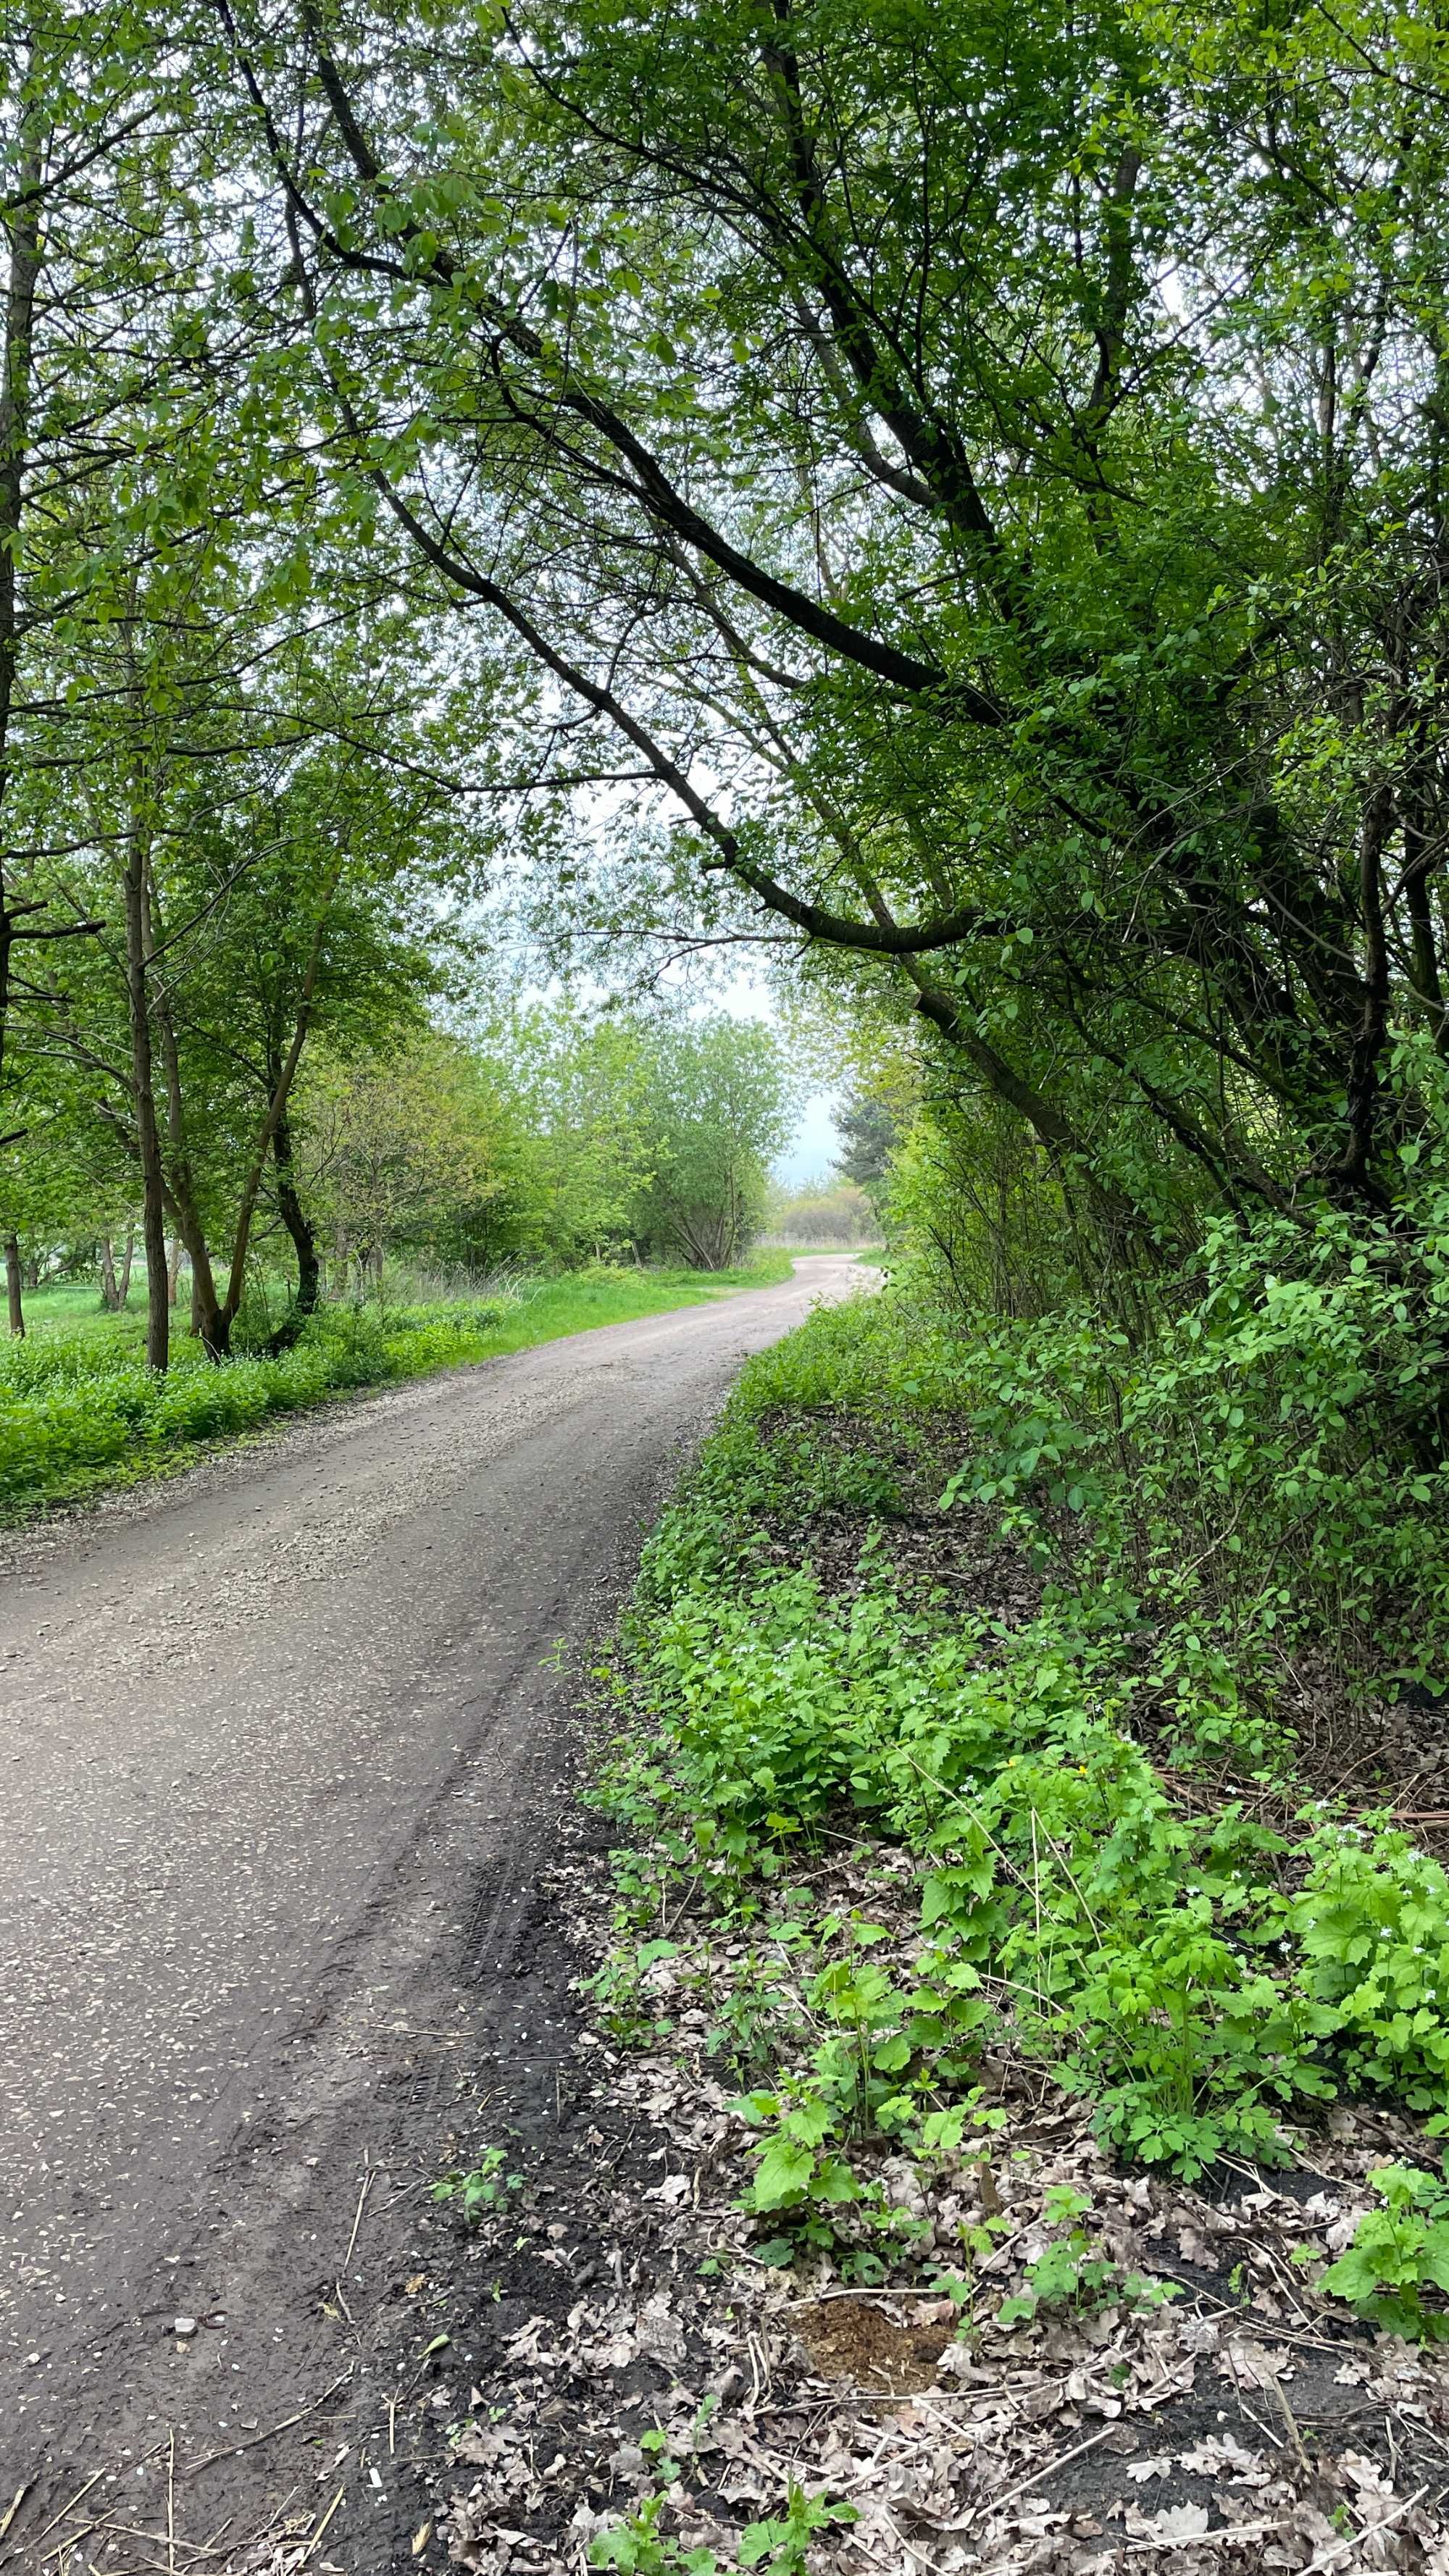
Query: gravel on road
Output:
(282,1743)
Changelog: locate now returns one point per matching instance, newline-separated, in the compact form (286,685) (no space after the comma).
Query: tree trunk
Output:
(110,1294)
(23,229)
(124,1290)
(148,1138)
(213,1316)
(12,1288)
(173,1270)
(209,1319)
(294,1218)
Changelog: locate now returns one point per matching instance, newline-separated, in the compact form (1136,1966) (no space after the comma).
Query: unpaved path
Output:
(280,1745)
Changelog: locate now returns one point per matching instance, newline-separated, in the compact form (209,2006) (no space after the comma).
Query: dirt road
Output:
(282,1744)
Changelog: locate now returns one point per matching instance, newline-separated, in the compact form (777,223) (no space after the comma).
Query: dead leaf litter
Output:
(1246,2424)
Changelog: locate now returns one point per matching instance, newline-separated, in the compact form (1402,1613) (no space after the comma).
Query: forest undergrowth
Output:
(1027,1735)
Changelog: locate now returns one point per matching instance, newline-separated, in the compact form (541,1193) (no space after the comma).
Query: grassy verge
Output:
(971,1782)
(80,1411)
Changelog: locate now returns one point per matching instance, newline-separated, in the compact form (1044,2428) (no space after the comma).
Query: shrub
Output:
(1197,1976)
(1398,2252)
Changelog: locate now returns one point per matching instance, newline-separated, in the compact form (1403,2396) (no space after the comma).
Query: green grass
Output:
(80,1411)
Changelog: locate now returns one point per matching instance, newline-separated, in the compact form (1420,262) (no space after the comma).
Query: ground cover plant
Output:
(971,1772)
(80,1409)
(1121,1856)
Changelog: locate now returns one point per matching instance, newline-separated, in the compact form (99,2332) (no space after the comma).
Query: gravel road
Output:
(280,1739)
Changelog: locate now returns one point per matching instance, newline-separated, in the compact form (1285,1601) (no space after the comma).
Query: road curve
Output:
(254,1724)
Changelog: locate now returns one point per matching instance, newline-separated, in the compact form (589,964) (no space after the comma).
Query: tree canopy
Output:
(952,493)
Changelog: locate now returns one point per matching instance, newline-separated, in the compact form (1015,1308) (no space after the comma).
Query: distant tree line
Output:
(551,1138)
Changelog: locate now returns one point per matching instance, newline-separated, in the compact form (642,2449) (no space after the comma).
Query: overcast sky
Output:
(815,1146)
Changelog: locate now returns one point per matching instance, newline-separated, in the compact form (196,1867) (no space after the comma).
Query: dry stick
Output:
(196,2466)
(63,2548)
(1291,2420)
(1225,2532)
(997,2504)
(82,2492)
(16,2501)
(171,2499)
(130,2531)
(357,2220)
(316,2540)
(1343,2547)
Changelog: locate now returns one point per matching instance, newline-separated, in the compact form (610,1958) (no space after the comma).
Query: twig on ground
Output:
(194,2467)
(1341,2548)
(998,2504)
(316,2540)
(357,2217)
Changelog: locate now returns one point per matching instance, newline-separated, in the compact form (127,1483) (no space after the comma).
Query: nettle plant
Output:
(484,2191)
(889,2050)
(1200,1978)
(779,2545)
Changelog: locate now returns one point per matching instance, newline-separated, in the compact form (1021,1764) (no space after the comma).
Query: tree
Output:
(987,469)
(871,1133)
(397,1150)
(582,1089)
(280,857)
(719,1101)
(96,108)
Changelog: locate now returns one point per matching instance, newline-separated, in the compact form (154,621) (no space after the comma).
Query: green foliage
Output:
(1398,2252)
(1242,1466)
(1196,1975)
(717,1101)
(80,1409)
(1070,2274)
(637,2547)
(1372,1924)
(483,2191)
(838,1219)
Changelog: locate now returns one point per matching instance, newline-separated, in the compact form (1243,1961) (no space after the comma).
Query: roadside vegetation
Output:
(441,1199)
(80,1409)
(1031,1724)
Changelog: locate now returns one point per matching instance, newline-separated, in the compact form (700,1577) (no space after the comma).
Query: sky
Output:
(815,1144)
(817,1140)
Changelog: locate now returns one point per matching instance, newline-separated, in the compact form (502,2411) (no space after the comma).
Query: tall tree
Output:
(274,829)
(99,124)
(986,467)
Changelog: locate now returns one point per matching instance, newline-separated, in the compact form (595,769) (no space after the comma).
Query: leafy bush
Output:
(1071,2273)
(1397,2253)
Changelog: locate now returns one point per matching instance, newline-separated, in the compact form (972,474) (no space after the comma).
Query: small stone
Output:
(185,2329)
